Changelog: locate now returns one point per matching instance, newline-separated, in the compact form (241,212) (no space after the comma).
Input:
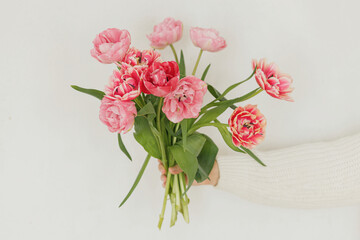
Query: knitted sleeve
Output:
(323,174)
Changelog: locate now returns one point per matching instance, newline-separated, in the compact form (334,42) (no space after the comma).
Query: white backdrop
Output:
(61,172)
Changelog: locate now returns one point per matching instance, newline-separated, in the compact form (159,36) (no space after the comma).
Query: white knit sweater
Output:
(324,174)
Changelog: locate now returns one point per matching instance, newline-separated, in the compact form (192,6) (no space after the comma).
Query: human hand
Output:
(213,176)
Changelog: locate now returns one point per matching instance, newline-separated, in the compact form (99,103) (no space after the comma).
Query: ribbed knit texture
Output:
(323,174)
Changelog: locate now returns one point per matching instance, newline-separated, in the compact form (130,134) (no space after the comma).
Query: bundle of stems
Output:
(175,187)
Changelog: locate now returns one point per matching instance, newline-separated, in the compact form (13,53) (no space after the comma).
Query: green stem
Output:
(197,62)
(185,201)
(173,209)
(176,129)
(138,102)
(161,217)
(177,191)
(158,114)
(174,52)
(142,97)
(164,157)
(163,154)
(161,140)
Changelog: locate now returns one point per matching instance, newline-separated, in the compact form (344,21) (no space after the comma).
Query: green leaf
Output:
(184,132)
(170,130)
(144,135)
(148,109)
(122,147)
(182,68)
(186,160)
(153,129)
(216,94)
(226,135)
(205,72)
(206,159)
(251,154)
(211,114)
(190,122)
(227,103)
(234,86)
(166,137)
(213,91)
(201,174)
(195,143)
(141,172)
(239,99)
(197,126)
(152,98)
(93,92)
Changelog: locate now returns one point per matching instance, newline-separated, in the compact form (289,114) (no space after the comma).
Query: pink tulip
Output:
(117,115)
(274,82)
(165,33)
(132,57)
(136,57)
(124,84)
(186,100)
(247,126)
(160,78)
(111,45)
(207,39)
(148,57)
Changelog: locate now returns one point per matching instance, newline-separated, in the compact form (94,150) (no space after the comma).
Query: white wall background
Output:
(61,172)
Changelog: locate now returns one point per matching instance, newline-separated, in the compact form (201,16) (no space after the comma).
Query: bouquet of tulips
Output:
(165,105)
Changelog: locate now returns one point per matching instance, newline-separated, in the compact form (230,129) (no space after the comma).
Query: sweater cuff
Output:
(231,172)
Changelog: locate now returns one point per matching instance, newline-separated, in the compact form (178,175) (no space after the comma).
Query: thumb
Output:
(175,169)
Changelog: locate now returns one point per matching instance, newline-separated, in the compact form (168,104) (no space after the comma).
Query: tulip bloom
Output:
(274,82)
(161,78)
(111,45)
(207,39)
(186,100)
(117,115)
(247,125)
(166,33)
(124,84)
